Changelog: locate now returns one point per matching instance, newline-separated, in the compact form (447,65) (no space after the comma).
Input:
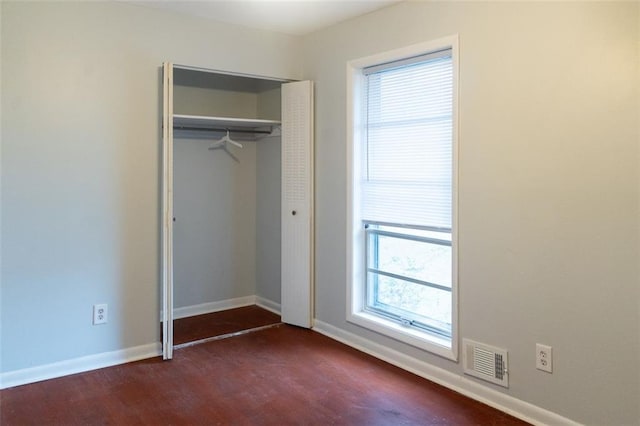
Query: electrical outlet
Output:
(544,358)
(100,314)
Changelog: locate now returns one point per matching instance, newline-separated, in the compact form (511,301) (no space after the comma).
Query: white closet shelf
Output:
(214,123)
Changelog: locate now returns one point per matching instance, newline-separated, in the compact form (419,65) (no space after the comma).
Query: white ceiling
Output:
(296,17)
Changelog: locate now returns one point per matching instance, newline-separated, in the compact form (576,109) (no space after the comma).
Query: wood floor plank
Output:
(217,323)
(277,376)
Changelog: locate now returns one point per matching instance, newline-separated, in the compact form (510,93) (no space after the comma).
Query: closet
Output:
(237,195)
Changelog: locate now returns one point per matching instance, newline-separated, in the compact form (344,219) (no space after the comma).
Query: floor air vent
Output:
(485,362)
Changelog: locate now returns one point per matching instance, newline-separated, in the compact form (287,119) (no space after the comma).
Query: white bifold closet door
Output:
(297,204)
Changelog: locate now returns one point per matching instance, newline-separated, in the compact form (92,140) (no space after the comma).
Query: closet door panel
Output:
(297,203)
(167,212)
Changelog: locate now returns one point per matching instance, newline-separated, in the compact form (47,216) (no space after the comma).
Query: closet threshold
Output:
(226,336)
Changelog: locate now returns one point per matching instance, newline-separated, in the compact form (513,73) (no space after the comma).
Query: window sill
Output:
(417,338)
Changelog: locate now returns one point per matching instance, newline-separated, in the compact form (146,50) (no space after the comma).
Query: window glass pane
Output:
(414,259)
(405,299)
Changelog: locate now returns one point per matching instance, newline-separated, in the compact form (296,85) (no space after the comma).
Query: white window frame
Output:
(356,274)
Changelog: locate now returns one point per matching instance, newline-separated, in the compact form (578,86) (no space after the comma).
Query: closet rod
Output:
(220,129)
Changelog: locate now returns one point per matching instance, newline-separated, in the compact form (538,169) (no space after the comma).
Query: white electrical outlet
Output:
(100,314)
(544,358)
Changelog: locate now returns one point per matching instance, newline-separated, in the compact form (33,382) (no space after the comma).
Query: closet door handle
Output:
(293,212)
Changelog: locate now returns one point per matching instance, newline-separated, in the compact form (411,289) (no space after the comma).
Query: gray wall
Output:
(215,229)
(268,199)
(549,178)
(548,192)
(218,198)
(81,132)
(268,242)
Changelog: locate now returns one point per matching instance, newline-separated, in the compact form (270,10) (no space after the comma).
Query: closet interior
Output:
(228,153)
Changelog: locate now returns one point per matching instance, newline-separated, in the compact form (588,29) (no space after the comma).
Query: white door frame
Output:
(167,212)
(299,299)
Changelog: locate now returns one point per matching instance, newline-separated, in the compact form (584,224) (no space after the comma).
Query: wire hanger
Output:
(225,140)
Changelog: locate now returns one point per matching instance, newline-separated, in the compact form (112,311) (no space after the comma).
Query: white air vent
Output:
(485,362)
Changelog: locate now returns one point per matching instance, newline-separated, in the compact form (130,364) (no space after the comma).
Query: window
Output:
(402,212)
(409,276)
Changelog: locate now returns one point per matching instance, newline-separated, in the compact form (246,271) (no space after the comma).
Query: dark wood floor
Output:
(219,323)
(276,376)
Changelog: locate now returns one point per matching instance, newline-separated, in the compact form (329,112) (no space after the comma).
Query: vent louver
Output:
(485,362)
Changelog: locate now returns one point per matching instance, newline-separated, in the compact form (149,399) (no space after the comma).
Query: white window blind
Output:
(409,150)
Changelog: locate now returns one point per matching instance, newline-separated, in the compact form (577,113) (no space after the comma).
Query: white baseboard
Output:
(108,359)
(78,365)
(207,308)
(503,402)
(269,305)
